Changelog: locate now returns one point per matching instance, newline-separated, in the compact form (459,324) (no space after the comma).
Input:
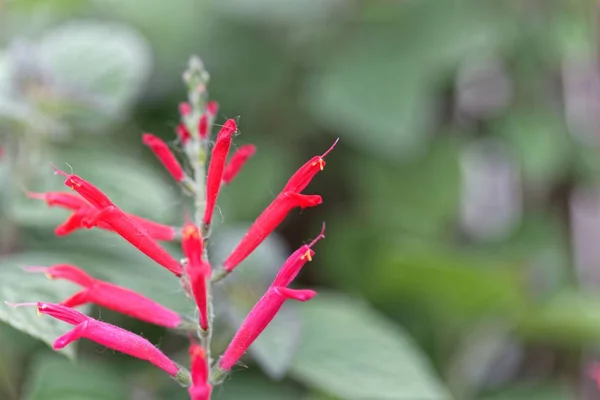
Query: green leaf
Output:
(548,391)
(542,144)
(277,12)
(377,88)
(350,351)
(53,378)
(97,66)
(17,286)
(571,318)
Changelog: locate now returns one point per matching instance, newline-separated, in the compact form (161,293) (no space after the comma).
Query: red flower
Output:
(166,157)
(216,167)
(85,211)
(203,126)
(185,109)
(107,335)
(267,307)
(111,296)
(301,178)
(292,266)
(237,161)
(89,192)
(134,234)
(183,134)
(197,269)
(68,200)
(257,320)
(212,108)
(200,389)
(266,223)
(120,223)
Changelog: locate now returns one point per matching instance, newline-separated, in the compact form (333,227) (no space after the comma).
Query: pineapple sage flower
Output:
(288,199)
(201,388)
(107,335)
(237,161)
(84,213)
(267,307)
(197,269)
(110,214)
(111,296)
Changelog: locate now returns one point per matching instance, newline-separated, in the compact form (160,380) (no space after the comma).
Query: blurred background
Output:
(462,202)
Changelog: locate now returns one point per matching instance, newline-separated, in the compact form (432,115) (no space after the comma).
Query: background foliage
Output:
(461,204)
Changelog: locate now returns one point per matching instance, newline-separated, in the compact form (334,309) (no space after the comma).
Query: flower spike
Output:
(301,178)
(266,223)
(164,154)
(237,161)
(216,167)
(111,296)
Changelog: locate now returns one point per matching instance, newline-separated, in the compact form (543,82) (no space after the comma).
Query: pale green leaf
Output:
(351,351)
(17,286)
(53,378)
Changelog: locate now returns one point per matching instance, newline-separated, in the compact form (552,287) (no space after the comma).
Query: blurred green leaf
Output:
(450,282)
(350,351)
(378,87)
(571,318)
(99,65)
(17,286)
(53,378)
(541,143)
(549,391)
(276,12)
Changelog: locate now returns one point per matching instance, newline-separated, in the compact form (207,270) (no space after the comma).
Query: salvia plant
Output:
(207,171)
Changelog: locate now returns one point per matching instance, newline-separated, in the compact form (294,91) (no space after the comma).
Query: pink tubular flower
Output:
(185,109)
(110,296)
(166,157)
(183,134)
(67,200)
(120,223)
(107,335)
(212,108)
(200,389)
(197,269)
(203,126)
(257,320)
(216,167)
(89,192)
(301,178)
(85,211)
(292,266)
(266,223)
(237,161)
(134,234)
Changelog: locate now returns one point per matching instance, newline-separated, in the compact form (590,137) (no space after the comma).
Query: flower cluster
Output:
(92,208)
